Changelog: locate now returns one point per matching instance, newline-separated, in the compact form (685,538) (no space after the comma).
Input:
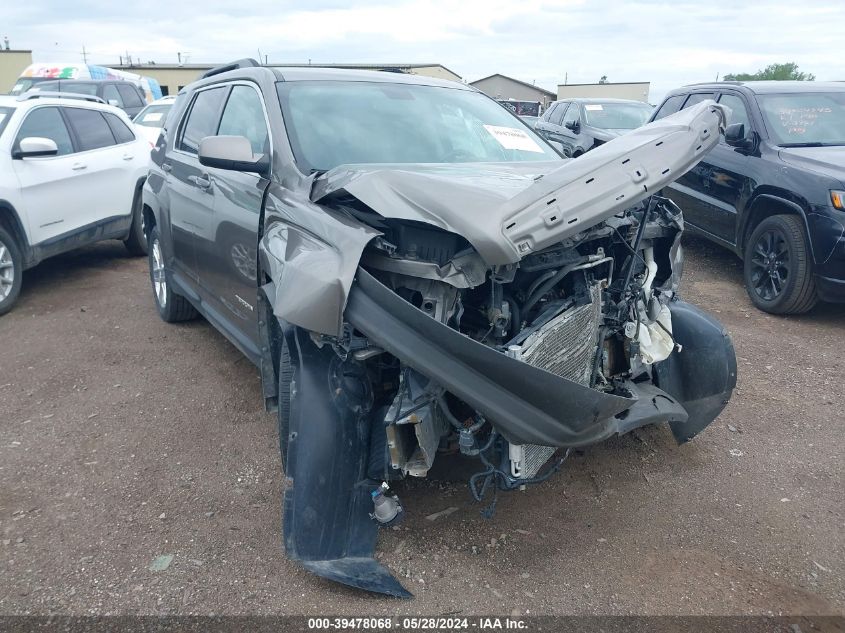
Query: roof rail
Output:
(46,94)
(246,62)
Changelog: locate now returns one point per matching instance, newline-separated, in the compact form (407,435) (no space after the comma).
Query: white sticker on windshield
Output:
(513,138)
(593,106)
(153,117)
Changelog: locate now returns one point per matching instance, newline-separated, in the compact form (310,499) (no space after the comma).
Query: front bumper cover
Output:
(528,405)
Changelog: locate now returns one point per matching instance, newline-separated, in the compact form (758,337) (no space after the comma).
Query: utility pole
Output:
(84,55)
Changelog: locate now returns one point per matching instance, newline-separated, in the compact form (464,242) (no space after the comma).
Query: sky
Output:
(546,42)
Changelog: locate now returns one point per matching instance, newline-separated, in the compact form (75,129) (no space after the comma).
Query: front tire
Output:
(11,271)
(778,268)
(172,307)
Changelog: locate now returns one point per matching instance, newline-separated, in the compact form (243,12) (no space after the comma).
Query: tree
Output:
(777,72)
(603,79)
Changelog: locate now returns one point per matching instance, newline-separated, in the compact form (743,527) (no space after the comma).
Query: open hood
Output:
(507,210)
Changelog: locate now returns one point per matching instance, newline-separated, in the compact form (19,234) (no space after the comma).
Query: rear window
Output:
(121,131)
(91,128)
(131,98)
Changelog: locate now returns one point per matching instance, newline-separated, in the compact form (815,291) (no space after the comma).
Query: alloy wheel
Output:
(770,265)
(7,271)
(159,280)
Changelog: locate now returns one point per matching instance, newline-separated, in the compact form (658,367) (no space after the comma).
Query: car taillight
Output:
(838,199)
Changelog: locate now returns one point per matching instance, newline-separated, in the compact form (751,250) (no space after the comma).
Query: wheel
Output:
(172,307)
(136,243)
(287,389)
(11,271)
(778,270)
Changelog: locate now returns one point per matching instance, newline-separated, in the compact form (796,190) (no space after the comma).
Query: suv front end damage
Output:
(502,312)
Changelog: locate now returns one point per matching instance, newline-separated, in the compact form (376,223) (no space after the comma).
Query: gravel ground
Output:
(125,439)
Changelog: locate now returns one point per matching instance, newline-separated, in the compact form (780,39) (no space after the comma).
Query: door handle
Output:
(128,157)
(166,167)
(201,182)
(78,166)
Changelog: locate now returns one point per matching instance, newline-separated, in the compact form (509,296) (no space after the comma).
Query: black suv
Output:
(416,273)
(122,94)
(579,125)
(772,190)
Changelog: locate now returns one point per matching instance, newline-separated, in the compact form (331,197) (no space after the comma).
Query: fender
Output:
(29,257)
(762,197)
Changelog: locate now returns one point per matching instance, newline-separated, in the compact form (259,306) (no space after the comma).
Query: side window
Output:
(572,114)
(557,118)
(46,123)
(121,131)
(739,113)
(130,96)
(110,95)
(202,119)
(547,115)
(244,116)
(91,128)
(698,97)
(670,106)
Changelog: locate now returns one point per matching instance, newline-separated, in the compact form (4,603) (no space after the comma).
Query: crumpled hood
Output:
(829,161)
(507,210)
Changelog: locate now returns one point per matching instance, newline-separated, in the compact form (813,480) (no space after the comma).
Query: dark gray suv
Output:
(416,274)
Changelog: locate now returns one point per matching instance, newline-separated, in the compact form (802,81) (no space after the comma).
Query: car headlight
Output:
(838,199)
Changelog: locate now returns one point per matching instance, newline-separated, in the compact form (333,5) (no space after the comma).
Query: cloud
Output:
(667,43)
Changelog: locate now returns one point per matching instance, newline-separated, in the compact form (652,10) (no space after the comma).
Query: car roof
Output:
(314,73)
(770,87)
(21,101)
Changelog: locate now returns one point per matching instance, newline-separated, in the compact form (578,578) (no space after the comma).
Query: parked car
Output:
(41,72)
(149,121)
(116,92)
(428,276)
(579,125)
(71,171)
(773,189)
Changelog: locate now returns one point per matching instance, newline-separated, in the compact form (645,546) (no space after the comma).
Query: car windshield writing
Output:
(332,123)
(815,118)
(616,116)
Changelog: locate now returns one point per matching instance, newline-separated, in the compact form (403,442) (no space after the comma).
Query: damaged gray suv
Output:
(416,273)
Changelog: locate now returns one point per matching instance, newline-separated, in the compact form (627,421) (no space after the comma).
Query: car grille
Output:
(566,347)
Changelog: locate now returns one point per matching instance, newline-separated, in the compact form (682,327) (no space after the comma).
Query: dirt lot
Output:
(125,439)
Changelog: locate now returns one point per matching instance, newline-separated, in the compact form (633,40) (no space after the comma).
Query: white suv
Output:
(71,172)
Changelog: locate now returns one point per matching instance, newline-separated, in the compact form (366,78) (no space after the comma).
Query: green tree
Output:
(603,79)
(777,72)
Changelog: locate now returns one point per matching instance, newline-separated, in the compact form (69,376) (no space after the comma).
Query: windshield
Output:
(616,116)
(333,123)
(808,119)
(153,115)
(5,115)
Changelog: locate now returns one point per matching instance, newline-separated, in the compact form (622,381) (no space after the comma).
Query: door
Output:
(687,191)
(227,251)
(721,178)
(553,127)
(54,197)
(106,166)
(191,195)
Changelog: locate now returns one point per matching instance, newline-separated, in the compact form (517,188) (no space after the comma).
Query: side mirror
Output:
(735,136)
(233,153)
(36,146)
(571,125)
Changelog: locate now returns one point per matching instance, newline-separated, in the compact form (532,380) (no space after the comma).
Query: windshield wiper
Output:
(810,144)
